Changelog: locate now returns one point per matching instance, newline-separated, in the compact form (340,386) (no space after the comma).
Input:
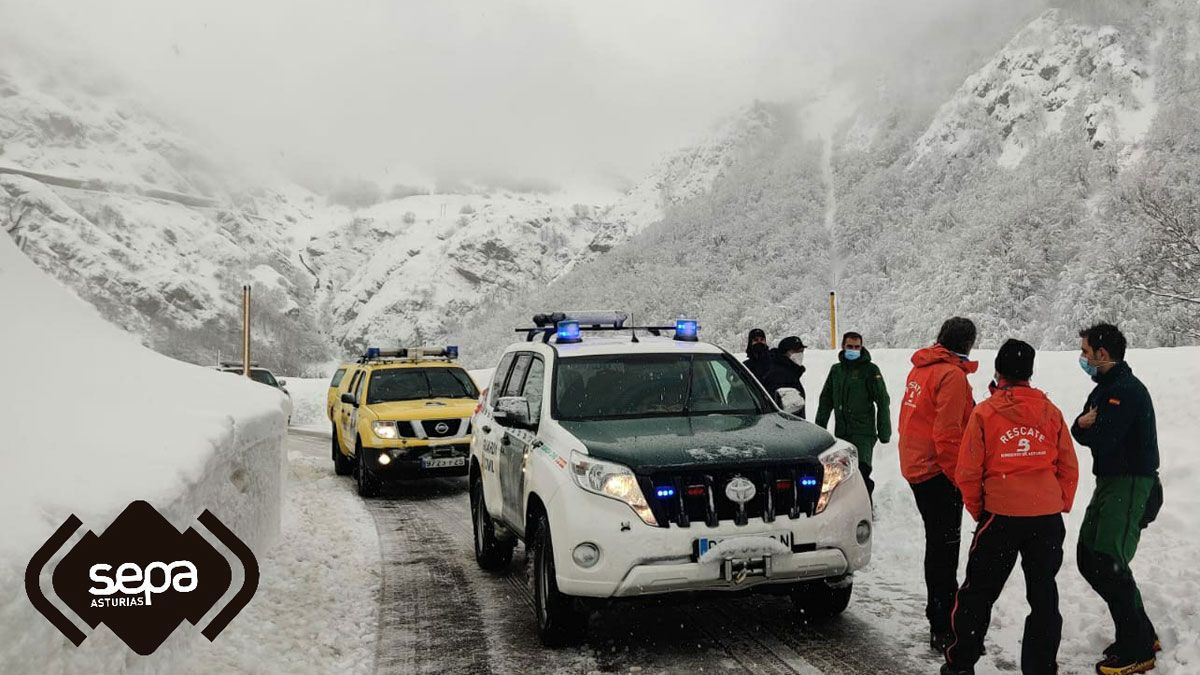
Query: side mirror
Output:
(281,383)
(512,410)
(349,398)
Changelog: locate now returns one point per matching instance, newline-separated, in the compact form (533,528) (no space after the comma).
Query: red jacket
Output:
(937,403)
(1017,458)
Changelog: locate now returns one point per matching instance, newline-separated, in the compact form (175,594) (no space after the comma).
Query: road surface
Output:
(440,613)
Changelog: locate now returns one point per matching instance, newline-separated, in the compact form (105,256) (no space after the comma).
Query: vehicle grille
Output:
(453,427)
(685,497)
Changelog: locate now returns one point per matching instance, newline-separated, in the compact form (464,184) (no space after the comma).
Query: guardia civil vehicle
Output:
(639,461)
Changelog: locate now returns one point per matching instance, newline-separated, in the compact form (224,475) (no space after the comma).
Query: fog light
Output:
(386,459)
(863,533)
(586,555)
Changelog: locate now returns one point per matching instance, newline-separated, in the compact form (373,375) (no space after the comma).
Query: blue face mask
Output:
(852,354)
(1088,367)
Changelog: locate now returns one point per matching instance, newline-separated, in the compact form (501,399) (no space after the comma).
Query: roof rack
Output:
(377,355)
(236,364)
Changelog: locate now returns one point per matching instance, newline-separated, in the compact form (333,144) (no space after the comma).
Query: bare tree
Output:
(1166,264)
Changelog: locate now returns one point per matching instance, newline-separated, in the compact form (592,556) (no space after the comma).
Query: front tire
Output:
(818,601)
(342,465)
(560,621)
(368,484)
(491,553)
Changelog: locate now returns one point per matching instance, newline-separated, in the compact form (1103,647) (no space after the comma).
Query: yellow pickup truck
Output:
(402,414)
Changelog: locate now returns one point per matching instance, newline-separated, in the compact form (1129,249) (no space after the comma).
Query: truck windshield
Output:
(409,384)
(653,385)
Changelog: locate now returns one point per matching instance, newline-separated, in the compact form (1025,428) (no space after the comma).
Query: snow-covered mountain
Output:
(1054,74)
(155,230)
(1008,201)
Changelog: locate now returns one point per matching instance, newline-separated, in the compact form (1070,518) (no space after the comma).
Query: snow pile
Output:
(315,612)
(93,421)
(744,547)
(890,592)
(308,400)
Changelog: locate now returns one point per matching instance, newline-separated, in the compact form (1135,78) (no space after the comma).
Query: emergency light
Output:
(665,492)
(686,330)
(568,332)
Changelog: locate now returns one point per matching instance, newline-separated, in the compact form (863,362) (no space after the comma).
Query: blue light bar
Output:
(372,352)
(808,481)
(665,492)
(568,332)
(452,352)
(687,330)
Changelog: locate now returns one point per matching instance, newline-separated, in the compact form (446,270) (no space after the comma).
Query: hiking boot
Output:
(1111,650)
(1119,665)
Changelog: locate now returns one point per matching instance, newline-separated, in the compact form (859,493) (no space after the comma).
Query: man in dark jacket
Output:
(758,354)
(785,372)
(854,391)
(1117,424)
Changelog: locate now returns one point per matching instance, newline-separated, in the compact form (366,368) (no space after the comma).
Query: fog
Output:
(552,90)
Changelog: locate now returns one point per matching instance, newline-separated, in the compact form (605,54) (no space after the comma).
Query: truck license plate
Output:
(701,545)
(442,462)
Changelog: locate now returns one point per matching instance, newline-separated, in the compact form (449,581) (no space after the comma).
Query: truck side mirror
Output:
(512,410)
(349,398)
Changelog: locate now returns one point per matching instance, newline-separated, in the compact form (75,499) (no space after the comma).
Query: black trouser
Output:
(998,540)
(941,507)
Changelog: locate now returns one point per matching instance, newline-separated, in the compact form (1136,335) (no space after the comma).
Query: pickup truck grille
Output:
(682,497)
(429,428)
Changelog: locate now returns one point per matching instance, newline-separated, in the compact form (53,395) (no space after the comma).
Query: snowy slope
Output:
(1054,74)
(89,429)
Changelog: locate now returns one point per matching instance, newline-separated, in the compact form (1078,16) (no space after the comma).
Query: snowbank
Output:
(891,592)
(92,421)
(314,613)
(308,401)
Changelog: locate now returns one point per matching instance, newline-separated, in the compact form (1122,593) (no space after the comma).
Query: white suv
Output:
(635,465)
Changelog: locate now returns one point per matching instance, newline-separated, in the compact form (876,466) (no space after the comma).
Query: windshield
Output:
(263,376)
(653,385)
(410,384)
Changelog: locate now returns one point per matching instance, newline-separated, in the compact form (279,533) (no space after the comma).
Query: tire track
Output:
(439,613)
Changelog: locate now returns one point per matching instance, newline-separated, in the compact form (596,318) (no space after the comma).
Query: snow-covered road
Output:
(439,613)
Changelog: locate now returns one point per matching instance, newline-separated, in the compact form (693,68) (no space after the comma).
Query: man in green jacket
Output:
(854,391)
(1117,424)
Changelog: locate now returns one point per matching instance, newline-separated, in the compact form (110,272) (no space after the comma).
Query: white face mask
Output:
(797,358)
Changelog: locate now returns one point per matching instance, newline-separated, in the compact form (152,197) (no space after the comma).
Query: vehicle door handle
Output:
(486,428)
(504,440)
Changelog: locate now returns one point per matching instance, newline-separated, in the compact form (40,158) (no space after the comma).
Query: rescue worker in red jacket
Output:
(933,413)
(1017,471)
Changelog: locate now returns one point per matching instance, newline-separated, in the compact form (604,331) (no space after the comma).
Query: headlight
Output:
(613,481)
(385,429)
(840,463)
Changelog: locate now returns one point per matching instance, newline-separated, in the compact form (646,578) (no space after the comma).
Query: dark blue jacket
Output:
(1124,439)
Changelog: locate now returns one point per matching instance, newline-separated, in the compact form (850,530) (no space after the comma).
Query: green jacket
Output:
(855,392)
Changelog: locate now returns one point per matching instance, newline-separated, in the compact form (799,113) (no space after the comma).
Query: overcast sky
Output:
(552,89)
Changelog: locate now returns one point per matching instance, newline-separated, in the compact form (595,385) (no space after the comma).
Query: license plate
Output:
(702,544)
(442,462)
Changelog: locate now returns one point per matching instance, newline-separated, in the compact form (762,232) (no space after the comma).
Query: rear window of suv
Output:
(337,377)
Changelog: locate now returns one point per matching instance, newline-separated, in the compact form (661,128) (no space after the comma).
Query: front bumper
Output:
(409,462)
(638,559)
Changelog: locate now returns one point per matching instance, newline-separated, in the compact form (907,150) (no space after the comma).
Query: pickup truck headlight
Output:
(613,481)
(840,462)
(385,430)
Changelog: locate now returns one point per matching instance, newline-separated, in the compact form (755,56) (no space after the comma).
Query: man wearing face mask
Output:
(855,393)
(758,354)
(1118,425)
(783,377)
(936,406)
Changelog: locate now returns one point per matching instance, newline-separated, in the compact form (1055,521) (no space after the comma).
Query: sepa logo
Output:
(141,577)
